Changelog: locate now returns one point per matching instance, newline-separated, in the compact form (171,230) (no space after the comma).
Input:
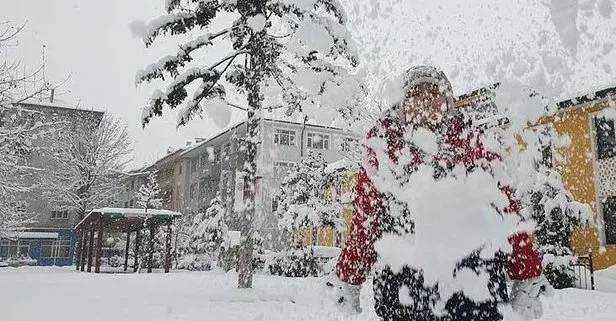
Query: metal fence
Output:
(585,272)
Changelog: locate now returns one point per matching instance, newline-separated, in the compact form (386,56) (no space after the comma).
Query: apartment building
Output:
(215,164)
(50,239)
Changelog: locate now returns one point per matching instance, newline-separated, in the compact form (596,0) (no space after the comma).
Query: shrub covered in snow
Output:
(304,262)
(557,215)
(305,198)
(293,263)
(205,237)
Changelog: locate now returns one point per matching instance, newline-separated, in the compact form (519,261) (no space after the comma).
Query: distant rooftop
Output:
(55,104)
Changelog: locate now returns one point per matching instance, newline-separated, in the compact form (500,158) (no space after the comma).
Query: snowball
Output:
(313,36)
(257,23)
(217,110)
(425,140)
(138,28)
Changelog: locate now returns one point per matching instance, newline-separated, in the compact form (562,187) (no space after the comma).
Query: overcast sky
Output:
(476,42)
(90,42)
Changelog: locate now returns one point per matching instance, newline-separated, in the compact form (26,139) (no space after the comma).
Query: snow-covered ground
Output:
(62,294)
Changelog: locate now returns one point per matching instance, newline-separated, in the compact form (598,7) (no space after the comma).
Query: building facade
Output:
(215,165)
(587,165)
(49,239)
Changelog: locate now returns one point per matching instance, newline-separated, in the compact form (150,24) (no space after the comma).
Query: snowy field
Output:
(62,294)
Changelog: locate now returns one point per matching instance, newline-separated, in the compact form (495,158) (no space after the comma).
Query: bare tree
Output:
(87,164)
(18,129)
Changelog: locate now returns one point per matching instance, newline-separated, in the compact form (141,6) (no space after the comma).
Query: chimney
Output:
(53,91)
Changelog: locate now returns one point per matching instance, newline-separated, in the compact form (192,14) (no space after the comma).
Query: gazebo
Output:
(121,220)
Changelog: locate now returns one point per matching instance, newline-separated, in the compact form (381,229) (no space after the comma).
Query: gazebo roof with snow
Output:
(128,219)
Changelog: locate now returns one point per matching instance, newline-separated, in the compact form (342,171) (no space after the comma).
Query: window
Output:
(609,217)
(317,141)
(61,214)
(216,154)
(132,184)
(315,235)
(203,159)
(132,202)
(349,144)
(14,248)
(126,204)
(202,187)
(274,205)
(127,187)
(180,170)
(55,249)
(605,136)
(193,165)
(545,146)
(193,191)
(246,192)
(226,181)
(284,137)
(281,169)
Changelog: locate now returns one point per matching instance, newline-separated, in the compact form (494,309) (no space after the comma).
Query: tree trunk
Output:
(244,262)
(151,250)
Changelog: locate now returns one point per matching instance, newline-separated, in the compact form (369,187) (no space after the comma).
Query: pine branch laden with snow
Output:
(285,54)
(305,198)
(149,194)
(86,165)
(205,236)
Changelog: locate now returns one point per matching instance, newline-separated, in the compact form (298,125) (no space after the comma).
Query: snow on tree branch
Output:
(276,51)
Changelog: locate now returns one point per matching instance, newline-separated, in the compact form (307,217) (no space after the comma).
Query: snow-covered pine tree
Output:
(557,215)
(149,194)
(546,201)
(206,235)
(149,197)
(304,199)
(284,53)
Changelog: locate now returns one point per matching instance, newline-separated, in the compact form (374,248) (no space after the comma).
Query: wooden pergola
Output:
(121,220)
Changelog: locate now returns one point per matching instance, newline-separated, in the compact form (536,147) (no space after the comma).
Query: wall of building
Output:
(65,120)
(270,153)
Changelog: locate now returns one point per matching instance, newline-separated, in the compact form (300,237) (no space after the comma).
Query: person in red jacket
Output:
(428,103)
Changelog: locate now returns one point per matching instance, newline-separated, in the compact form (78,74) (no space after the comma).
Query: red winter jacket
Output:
(359,255)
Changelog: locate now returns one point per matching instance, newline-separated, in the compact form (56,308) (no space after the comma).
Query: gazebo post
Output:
(78,249)
(137,242)
(90,247)
(126,251)
(168,248)
(151,250)
(99,244)
(84,249)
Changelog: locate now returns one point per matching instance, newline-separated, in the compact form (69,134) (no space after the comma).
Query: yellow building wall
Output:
(578,175)
(577,169)
(326,235)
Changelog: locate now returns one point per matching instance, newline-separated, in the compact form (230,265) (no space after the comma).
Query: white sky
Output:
(90,42)
(474,41)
